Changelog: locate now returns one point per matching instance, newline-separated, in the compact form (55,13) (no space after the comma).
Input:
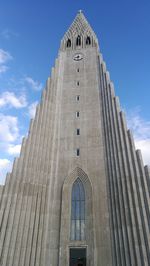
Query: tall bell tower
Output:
(82,153)
(79,193)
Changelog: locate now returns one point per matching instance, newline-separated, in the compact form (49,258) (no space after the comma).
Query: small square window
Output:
(78,131)
(77,97)
(77,152)
(77,114)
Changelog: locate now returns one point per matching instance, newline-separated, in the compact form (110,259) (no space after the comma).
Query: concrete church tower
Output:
(79,193)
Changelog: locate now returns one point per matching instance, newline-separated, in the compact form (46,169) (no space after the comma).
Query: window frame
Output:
(77,114)
(78,204)
(77,152)
(78,131)
(77,98)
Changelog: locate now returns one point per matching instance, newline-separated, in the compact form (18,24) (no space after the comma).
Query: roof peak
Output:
(82,29)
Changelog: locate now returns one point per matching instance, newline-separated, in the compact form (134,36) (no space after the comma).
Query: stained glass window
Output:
(78,211)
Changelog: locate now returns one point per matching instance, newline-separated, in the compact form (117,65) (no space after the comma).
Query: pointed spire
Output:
(79,33)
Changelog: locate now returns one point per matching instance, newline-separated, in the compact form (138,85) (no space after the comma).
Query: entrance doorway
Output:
(77,257)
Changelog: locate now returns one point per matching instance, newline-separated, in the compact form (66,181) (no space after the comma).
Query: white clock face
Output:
(78,57)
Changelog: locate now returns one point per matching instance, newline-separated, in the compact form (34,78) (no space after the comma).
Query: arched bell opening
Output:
(68,43)
(78,40)
(88,40)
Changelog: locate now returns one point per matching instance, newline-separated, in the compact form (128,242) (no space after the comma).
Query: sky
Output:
(30,34)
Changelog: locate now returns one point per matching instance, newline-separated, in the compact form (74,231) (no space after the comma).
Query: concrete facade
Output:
(35,203)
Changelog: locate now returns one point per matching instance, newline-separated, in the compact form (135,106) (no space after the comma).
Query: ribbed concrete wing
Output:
(79,133)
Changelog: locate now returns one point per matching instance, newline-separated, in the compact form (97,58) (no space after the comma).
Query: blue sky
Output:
(30,34)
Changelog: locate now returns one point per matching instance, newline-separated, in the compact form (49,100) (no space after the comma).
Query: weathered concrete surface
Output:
(35,210)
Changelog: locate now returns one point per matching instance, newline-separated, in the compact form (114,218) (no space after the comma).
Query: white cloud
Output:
(35,85)
(9,130)
(140,126)
(5,166)
(3,68)
(144,146)
(141,132)
(4,56)
(9,142)
(14,149)
(32,109)
(10,99)
(7,33)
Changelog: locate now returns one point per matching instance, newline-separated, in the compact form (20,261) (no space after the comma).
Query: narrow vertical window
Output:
(88,40)
(78,70)
(77,114)
(78,40)
(78,152)
(78,131)
(78,211)
(78,83)
(68,43)
(78,97)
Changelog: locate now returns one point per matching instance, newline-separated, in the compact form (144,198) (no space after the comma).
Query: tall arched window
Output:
(68,43)
(78,211)
(78,40)
(88,40)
